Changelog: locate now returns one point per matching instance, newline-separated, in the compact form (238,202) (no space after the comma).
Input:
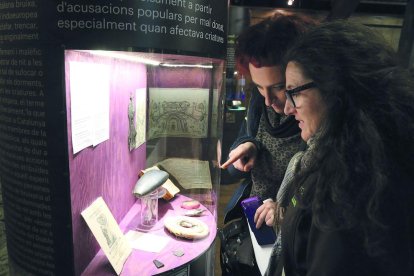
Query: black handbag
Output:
(236,249)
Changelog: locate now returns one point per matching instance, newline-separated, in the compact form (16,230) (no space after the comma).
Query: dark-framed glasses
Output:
(291,92)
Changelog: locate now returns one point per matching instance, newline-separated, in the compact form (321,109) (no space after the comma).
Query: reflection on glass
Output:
(152,110)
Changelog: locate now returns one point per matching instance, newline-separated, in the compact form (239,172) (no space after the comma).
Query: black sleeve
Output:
(309,251)
(333,253)
(250,125)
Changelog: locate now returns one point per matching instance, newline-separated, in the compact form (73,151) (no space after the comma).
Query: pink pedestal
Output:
(141,262)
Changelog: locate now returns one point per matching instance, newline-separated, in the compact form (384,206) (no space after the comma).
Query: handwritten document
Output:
(189,173)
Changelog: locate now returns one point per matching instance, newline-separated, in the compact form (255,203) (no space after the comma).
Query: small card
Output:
(108,234)
(146,242)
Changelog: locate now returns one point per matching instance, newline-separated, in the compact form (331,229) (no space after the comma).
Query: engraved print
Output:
(179,117)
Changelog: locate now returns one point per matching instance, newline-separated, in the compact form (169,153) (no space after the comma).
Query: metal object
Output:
(178,253)
(149,182)
(194,213)
(158,264)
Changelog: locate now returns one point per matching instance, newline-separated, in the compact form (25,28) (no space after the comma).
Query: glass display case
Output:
(129,113)
(96,99)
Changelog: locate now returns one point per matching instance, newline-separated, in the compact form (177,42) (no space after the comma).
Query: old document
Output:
(189,173)
(108,234)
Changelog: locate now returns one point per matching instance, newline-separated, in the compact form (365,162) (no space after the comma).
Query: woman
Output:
(268,138)
(351,212)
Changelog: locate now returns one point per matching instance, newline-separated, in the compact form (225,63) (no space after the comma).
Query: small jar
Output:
(149,210)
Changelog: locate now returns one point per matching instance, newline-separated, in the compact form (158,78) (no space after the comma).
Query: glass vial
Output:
(149,210)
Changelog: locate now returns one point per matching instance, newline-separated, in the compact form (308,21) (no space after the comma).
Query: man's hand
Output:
(243,157)
(265,213)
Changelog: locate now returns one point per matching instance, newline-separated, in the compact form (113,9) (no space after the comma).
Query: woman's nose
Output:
(289,109)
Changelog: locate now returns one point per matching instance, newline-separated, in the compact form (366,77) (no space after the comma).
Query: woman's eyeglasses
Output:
(291,92)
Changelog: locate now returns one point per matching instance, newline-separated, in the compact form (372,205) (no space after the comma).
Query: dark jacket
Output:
(307,250)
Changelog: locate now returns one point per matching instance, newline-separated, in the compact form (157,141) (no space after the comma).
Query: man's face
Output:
(270,82)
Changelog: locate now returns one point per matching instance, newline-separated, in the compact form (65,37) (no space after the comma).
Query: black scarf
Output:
(286,129)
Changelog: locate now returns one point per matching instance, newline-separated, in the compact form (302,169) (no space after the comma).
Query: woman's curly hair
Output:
(363,159)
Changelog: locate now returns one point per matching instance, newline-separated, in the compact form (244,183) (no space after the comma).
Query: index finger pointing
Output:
(230,161)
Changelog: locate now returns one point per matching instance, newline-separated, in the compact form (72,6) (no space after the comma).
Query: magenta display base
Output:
(141,262)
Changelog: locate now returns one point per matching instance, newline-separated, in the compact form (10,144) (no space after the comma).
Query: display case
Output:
(93,97)
(130,112)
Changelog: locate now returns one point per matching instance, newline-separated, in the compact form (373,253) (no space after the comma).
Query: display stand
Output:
(141,262)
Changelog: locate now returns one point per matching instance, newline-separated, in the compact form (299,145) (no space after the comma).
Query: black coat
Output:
(307,250)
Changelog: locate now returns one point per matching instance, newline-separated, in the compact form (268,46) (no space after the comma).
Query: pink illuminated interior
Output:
(110,170)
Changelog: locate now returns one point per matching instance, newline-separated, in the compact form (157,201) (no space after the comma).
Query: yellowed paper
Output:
(189,173)
(108,234)
(178,112)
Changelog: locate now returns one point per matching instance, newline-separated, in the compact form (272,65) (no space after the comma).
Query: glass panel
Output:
(132,112)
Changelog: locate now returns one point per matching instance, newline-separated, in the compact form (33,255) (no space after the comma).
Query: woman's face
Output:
(270,82)
(310,108)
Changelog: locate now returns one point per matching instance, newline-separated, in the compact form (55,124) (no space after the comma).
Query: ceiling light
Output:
(186,65)
(133,58)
